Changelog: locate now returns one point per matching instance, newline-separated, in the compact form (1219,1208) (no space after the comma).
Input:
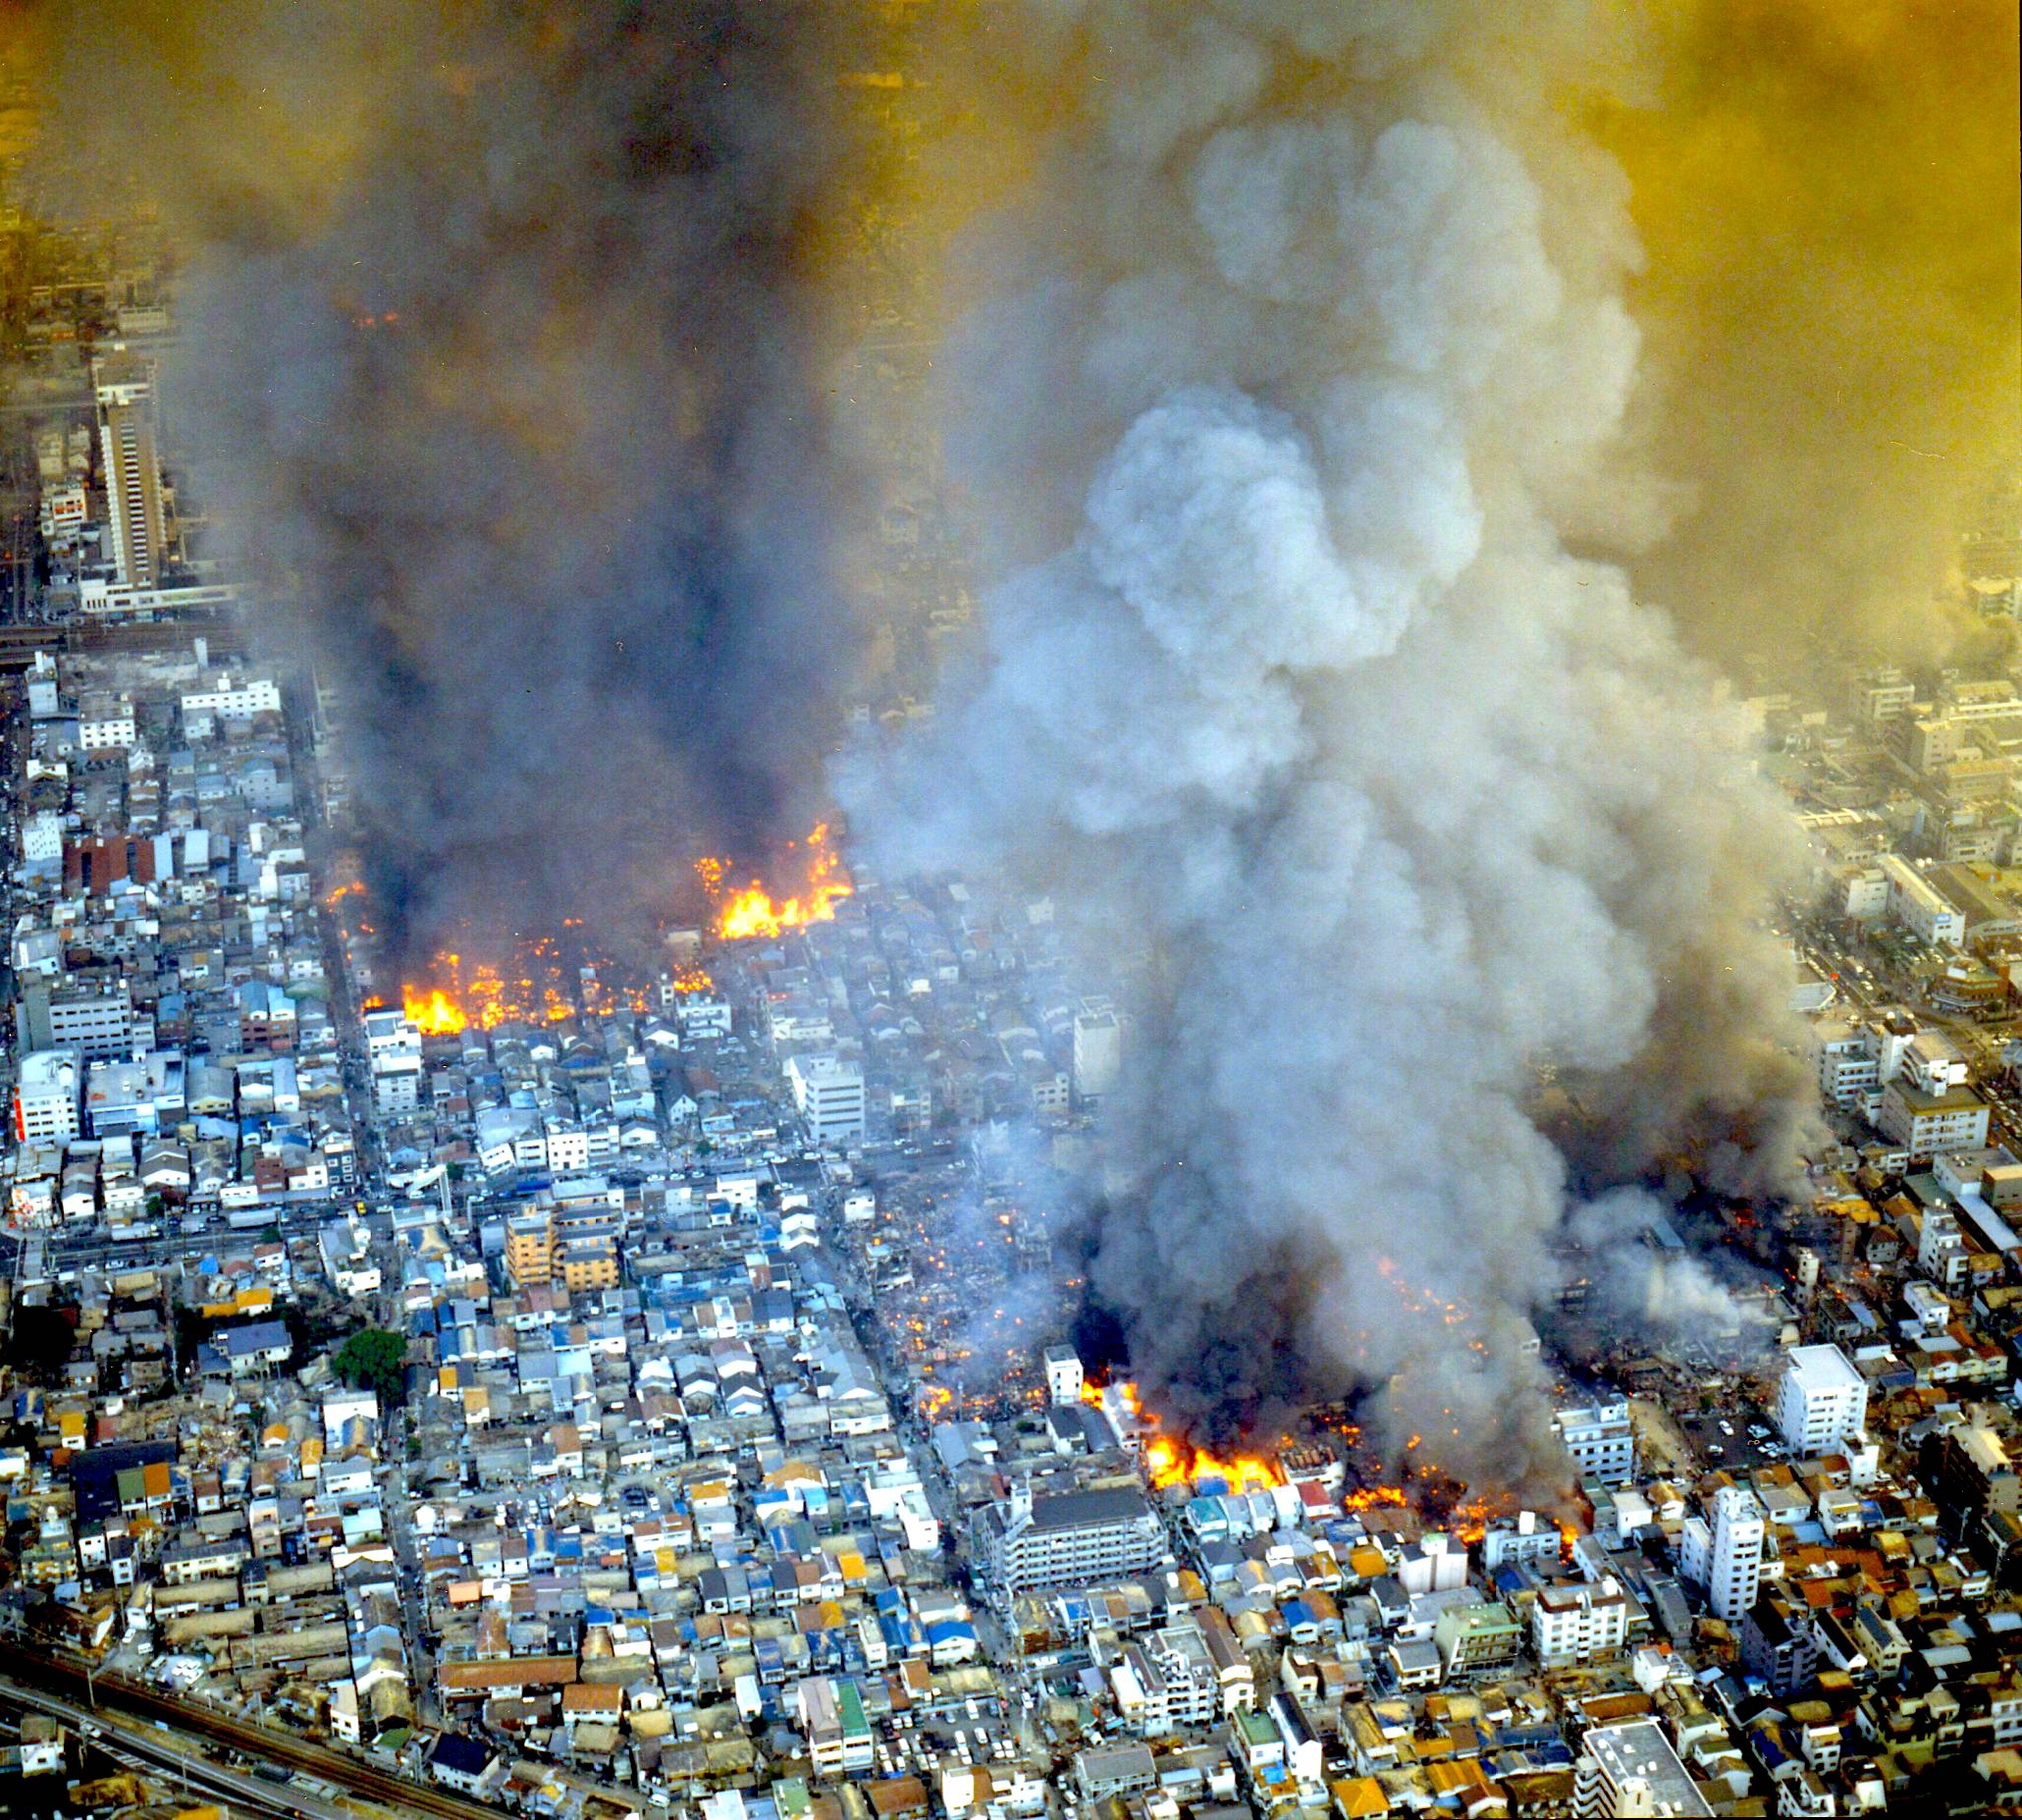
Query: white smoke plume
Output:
(1665,1293)
(1303,372)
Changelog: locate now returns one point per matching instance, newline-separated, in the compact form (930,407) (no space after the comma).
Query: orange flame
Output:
(1170,1461)
(432,1011)
(753,912)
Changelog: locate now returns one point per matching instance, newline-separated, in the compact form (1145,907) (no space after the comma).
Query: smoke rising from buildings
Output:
(1313,349)
(504,342)
(1643,1282)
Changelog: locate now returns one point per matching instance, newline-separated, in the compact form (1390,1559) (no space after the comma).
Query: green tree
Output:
(375,1360)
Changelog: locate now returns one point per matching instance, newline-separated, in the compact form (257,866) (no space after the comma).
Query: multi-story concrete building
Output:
(1943,1253)
(47,1097)
(1098,1049)
(1574,1623)
(1920,906)
(839,1737)
(98,1026)
(1822,1402)
(225,697)
(138,523)
(1779,1643)
(1600,1438)
(1075,1538)
(1734,1574)
(828,1094)
(531,1246)
(1629,1772)
(105,721)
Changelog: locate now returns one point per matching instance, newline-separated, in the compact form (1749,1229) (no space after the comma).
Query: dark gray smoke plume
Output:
(1314,352)
(503,350)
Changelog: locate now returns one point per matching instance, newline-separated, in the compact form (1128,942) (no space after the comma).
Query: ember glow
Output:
(751,911)
(534,986)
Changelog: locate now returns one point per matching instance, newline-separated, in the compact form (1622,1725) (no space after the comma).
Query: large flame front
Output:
(1170,1461)
(753,911)
(431,1011)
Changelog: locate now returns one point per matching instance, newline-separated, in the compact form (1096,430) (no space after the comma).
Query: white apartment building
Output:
(1920,907)
(232,698)
(1600,1438)
(1822,1403)
(105,723)
(1734,1571)
(1924,1124)
(828,1094)
(1064,1376)
(1856,1060)
(1628,1771)
(1075,1538)
(46,1104)
(1943,1253)
(389,1036)
(1574,1623)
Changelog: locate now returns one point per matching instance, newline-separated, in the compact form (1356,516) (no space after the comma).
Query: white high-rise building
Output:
(1734,1572)
(828,1094)
(132,470)
(1823,1402)
(1600,1438)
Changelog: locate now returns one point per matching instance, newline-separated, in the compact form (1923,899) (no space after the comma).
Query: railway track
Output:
(261,1742)
(20,643)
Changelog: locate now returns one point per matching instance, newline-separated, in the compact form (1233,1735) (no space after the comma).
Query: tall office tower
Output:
(133,469)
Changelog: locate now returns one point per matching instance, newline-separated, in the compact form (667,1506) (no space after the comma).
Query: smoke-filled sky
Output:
(504,352)
(1302,371)
(1828,193)
(1376,421)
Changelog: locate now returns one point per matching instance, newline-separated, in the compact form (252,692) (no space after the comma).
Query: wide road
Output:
(117,1695)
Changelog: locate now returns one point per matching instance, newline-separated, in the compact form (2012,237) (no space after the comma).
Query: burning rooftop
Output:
(748,911)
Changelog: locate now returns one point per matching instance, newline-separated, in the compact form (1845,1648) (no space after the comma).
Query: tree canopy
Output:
(373,1359)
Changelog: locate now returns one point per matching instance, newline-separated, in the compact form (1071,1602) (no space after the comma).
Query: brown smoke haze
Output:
(1375,425)
(506,342)
(1827,194)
